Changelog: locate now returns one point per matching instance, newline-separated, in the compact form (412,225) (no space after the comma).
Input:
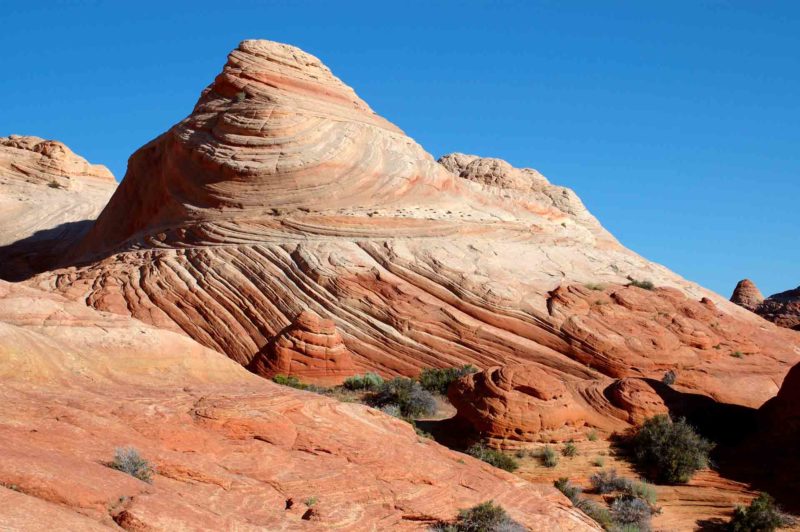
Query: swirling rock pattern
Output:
(310,349)
(283,192)
(231,450)
(49,198)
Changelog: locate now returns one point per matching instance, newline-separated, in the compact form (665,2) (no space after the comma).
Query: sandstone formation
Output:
(747,295)
(49,198)
(783,308)
(284,192)
(310,349)
(231,451)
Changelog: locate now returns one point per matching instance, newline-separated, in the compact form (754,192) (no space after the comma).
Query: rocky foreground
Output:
(285,228)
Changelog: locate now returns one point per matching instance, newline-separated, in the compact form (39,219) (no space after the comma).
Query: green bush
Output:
(407,395)
(294,382)
(569,450)
(484,517)
(670,452)
(493,457)
(566,487)
(548,456)
(436,380)
(608,482)
(368,381)
(647,285)
(592,436)
(600,514)
(762,515)
(129,461)
(669,377)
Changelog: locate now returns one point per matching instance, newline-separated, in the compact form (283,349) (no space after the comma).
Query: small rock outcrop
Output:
(310,349)
(747,295)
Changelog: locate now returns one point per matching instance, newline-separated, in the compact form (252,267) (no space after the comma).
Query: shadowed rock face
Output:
(783,308)
(231,451)
(284,192)
(50,196)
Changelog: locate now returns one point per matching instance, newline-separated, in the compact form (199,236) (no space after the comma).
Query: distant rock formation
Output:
(48,199)
(747,295)
(310,349)
(783,308)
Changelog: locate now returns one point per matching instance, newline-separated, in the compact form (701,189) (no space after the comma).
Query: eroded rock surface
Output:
(310,349)
(284,192)
(230,449)
(48,199)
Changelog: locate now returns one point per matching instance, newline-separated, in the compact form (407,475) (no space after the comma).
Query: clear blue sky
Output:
(678,123)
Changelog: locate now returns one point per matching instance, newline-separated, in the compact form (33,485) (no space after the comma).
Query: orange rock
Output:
(747,295)
(229,448)
(310,349)
(283,191)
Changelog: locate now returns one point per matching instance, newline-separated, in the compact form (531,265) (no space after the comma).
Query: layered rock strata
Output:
(284,192)
(310,349)
(230,450)
(50,197)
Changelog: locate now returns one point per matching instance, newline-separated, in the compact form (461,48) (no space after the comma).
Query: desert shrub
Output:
(241,96)
(569,450)
(669,377)
(128,460)
(641,490)
(407,395)
(368,381)
(647,285)
(549,457)
(54,184)
(571,491)
(392,410)
(763,515)
(594,286)
(437,380)
(670,452)
(595,511)
(294,382)
(737,354)
(599,461)
(592,436)
(632,512)
(311,501)
(484,517)
(608,481)
(493,457)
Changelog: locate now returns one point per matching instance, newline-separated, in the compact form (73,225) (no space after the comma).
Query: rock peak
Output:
(747,295)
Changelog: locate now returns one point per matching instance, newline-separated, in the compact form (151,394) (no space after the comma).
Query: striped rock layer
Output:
(283,192)
(50,197)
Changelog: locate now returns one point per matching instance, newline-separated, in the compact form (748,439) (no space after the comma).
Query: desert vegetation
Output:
(484,517)
(493,457)
(762,515)
(669,451)
(128,460)
(632,502)
(438,380)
